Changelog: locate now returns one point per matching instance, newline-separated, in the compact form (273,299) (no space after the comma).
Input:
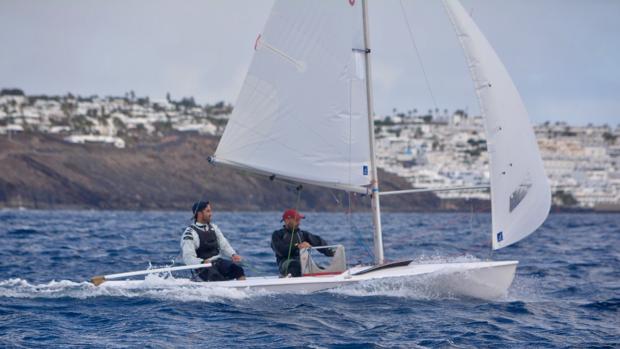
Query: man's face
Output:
(292,222)
(204,216)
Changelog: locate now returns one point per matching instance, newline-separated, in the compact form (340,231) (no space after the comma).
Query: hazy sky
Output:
(564,55)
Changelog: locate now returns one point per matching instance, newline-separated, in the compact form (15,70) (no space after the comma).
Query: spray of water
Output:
(153,286)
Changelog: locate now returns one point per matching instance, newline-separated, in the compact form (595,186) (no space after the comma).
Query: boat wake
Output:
(438,258)
(426,287)
(153,287)
(439,285)
(433,287)
(417,288)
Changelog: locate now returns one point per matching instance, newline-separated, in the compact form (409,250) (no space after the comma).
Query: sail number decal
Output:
(500,236)
(365,170)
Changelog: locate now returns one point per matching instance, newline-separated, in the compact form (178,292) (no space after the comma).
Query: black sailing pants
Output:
(221,270)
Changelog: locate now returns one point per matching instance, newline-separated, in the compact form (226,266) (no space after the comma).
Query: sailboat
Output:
(305,115)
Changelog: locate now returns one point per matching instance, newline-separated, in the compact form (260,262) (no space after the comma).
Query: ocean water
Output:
(566,292)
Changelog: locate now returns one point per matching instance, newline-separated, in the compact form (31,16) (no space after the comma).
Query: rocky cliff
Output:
(170,172)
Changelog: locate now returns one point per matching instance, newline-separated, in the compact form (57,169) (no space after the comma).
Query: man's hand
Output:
(304,244)
(236,258)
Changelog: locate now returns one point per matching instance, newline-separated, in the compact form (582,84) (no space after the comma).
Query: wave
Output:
(612,304)
(24,232)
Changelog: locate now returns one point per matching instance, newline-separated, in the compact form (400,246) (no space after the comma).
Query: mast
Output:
(376,209)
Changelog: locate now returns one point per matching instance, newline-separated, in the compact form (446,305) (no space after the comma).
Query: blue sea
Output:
(566,292)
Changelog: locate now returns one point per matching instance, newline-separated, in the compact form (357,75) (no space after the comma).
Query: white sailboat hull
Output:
(484,280)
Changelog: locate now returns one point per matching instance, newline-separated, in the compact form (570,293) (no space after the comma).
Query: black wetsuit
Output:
(281,244)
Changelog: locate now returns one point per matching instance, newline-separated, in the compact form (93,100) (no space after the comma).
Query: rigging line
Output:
(348,214)
(428,85)
(362,241)
(350,124)
(290,246)
(336,199)
(471,219)
(471,225)
(298,188)
(250,266)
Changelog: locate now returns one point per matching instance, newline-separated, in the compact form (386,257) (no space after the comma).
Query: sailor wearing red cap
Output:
(287,242)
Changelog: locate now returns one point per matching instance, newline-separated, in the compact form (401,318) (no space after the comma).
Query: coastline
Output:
(42,171)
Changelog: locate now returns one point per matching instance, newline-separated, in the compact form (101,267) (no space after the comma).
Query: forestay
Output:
(520,193)
(301,113)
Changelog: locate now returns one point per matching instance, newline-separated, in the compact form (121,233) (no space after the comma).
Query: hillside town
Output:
(111,120)
(442,151)
(431,150)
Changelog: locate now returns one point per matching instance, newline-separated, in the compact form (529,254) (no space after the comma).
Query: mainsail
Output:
(520,193)
(301,114)
(302,111)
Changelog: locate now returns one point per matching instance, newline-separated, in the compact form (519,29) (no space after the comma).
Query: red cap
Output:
(292,213)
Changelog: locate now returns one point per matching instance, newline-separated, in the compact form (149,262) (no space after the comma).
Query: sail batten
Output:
(301,110)
(520,192)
